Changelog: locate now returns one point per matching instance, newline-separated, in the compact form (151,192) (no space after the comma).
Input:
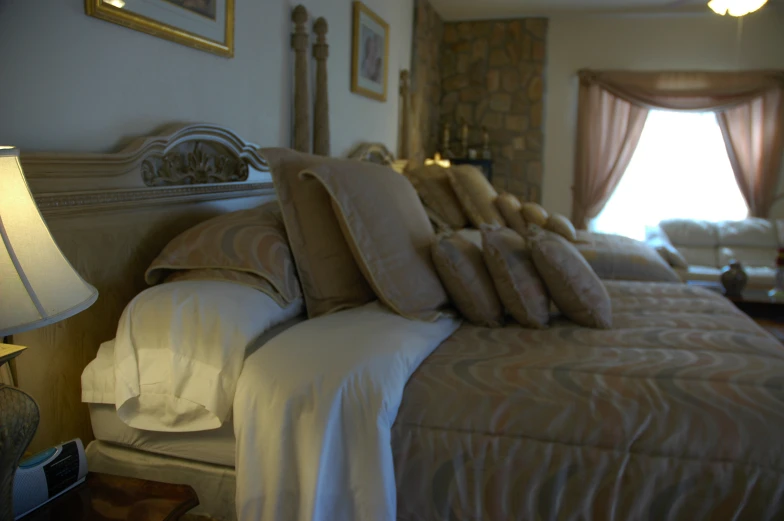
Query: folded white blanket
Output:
(313,412)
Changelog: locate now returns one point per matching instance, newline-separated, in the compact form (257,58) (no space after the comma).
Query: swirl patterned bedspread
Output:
(676,413)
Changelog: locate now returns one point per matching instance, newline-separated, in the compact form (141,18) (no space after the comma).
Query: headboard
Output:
(111,214)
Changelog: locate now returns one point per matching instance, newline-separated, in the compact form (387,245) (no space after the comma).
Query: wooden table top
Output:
(113,498)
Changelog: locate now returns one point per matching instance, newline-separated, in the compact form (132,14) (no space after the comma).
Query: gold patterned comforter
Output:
(676,413)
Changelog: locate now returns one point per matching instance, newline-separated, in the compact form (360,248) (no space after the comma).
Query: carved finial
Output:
(320,48)
(404,76)
(300,15)
(320,28)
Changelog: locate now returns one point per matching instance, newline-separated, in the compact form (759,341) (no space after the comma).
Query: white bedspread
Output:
(313,412)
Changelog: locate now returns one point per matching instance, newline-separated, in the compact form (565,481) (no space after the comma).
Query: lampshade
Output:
(736,7)
(38,286)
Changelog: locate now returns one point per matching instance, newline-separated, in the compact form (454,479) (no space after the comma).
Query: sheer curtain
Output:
(680,169)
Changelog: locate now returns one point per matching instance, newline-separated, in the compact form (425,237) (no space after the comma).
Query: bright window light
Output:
(679,170)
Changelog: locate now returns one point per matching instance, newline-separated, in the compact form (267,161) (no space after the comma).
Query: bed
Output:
(675,413)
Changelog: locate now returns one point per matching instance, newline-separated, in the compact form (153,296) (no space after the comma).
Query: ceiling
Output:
(489,9)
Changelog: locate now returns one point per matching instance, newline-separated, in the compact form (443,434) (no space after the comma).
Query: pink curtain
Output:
(754,137)
(608,129)
(613,106)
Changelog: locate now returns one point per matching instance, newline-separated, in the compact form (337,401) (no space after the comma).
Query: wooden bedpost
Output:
(404,147)
(299,42)
(321,116)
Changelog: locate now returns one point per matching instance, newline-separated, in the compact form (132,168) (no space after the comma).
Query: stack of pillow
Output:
(358,232)
(461,196)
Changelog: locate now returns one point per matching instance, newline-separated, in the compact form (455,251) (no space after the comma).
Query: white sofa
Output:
(708,247)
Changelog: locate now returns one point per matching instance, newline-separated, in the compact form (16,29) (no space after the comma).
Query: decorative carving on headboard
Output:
(373,153)
(201,164)
(182,163)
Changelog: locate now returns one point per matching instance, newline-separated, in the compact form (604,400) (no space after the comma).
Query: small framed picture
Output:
(370,54)
(207,25)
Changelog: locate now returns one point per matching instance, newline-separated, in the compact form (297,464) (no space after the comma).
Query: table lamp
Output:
(38,287)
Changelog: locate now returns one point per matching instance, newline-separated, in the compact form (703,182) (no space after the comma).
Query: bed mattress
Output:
(675,413)
(215,446)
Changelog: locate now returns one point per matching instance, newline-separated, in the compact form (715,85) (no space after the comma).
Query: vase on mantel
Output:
(734,279)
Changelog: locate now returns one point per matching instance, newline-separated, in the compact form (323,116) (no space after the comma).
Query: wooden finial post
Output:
(321,117)
(299,42)
(404,148)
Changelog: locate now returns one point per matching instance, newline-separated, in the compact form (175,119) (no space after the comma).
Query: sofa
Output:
(699,250)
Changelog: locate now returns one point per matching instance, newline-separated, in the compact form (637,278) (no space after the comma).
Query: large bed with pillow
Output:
(320,353)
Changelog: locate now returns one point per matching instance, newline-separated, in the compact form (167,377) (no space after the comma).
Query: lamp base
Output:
(18,423)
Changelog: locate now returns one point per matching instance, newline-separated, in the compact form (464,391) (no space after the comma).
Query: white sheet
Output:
(216,446)
(180,348)
(313,412)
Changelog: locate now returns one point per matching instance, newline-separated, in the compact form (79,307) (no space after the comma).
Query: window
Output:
(679,170)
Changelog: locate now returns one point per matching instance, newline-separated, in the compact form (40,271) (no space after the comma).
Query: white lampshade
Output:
(38,286)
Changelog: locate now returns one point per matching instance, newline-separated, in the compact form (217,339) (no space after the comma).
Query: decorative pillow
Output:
(330,277)
(521,290)
(509,206)
(250,242)
(559,224)
(534,214)
(463,272)
(388,232)
(433,186)
(615,257)
(572,283)
(476,195)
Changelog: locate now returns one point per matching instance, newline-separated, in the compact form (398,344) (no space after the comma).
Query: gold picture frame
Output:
(116,11)
(368,76)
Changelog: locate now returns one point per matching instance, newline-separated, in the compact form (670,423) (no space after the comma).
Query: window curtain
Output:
(609,129)
(754,137)
(613,103)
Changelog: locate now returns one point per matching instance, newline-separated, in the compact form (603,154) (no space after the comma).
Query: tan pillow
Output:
(615,257)
(509,206)
(462,270)
(573,285)
(521,290)
(476,195)
(559,224)
(388,231)
(433,186)
(330,277)
(534,214)
(251,242)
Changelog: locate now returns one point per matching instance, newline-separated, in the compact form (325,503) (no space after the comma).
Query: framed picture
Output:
(370,54)
(207,25)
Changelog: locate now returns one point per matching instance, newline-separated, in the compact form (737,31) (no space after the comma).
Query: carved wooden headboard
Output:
(111,214)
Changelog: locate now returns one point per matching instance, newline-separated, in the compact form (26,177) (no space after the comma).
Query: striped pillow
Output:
(251,243)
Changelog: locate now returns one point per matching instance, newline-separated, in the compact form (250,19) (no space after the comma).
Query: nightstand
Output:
(113,498)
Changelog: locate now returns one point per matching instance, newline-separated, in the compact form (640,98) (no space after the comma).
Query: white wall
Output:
(654,43)
(70,82)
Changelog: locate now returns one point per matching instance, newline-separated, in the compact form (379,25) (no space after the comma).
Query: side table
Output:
(104,497)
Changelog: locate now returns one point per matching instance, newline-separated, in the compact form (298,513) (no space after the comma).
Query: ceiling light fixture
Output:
(736,7)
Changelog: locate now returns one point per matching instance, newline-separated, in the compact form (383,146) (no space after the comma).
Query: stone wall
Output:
(492,75)
(425,81)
